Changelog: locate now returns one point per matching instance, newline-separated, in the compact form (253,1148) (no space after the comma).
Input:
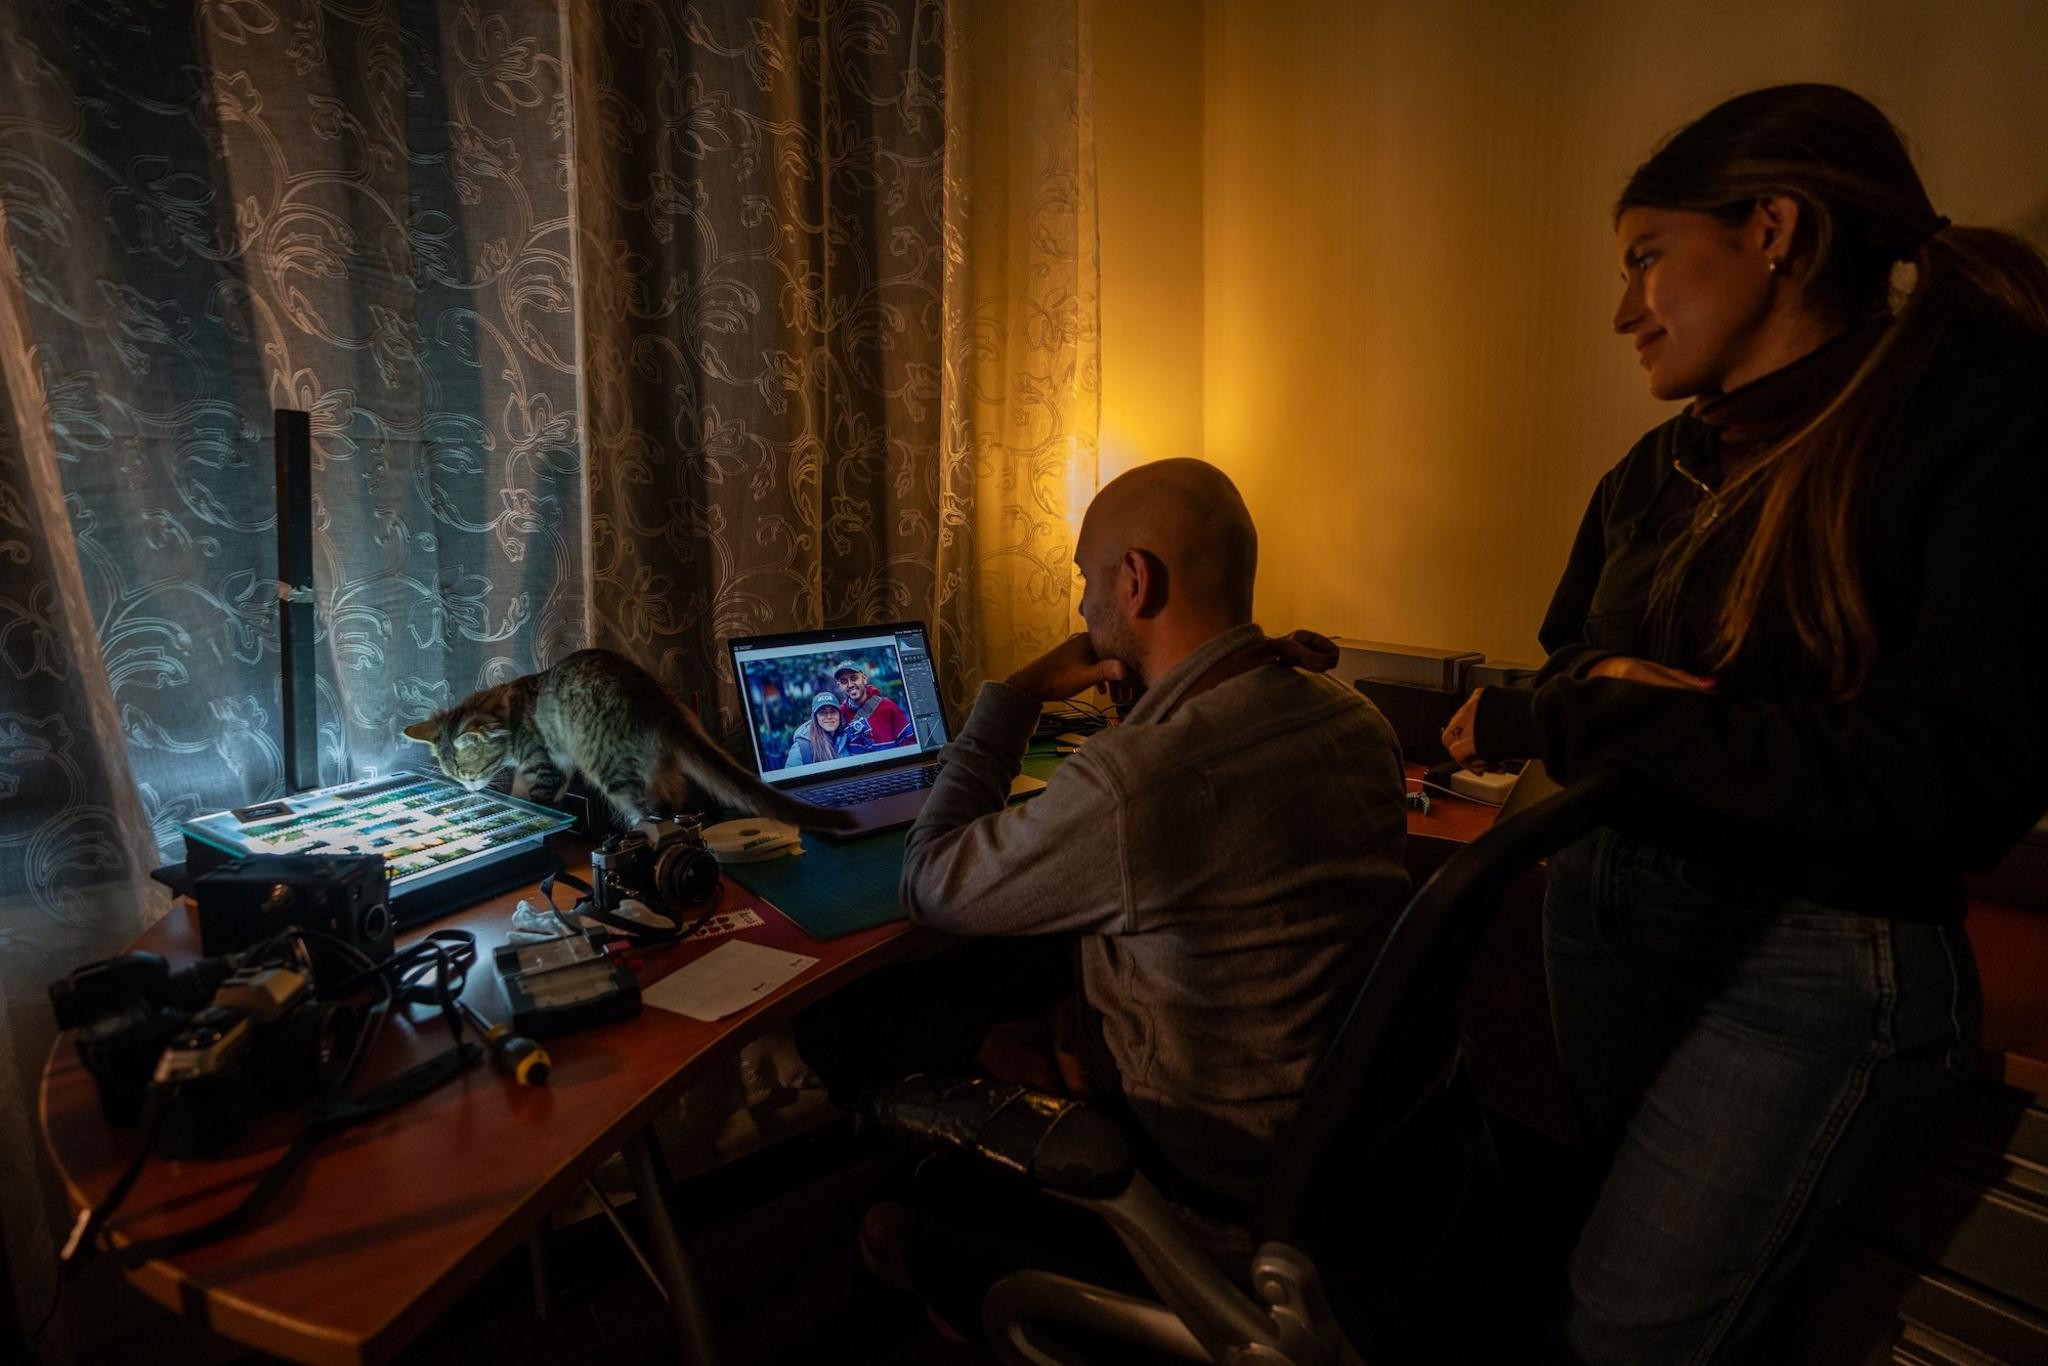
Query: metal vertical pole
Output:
(295,598)
(686,1303)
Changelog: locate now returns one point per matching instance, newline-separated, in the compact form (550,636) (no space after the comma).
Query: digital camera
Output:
(672,869)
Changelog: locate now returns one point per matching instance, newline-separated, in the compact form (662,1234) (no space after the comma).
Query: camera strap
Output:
(422,985)
(409,1085)
(660,929)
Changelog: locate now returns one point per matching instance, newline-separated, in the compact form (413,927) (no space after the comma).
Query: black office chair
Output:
(1083,1157)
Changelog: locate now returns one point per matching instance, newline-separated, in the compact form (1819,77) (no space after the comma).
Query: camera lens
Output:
(685,873)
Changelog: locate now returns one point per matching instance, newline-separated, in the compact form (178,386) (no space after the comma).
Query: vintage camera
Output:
(102,988)
(230,1040)
(671,869)
(255,897)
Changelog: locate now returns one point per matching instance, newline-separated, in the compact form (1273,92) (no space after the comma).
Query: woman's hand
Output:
(1632,670)
(1306,650)
(1458,736)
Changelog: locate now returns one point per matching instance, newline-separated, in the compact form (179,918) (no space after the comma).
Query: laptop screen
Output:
(842,700)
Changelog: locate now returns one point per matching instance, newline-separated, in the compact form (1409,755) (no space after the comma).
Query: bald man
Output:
(1231,855)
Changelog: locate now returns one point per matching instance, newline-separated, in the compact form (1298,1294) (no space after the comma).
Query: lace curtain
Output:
(635,324)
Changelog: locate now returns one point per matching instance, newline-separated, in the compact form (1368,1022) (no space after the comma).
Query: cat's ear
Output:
(425,732)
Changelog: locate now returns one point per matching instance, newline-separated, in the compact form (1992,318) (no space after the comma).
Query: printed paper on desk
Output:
(729,978)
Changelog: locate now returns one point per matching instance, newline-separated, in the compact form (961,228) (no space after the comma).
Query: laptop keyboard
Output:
(867,789)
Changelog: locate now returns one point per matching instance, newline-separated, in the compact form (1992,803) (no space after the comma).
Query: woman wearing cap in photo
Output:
(817,739)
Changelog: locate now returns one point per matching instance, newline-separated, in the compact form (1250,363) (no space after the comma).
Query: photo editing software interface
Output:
(825,706)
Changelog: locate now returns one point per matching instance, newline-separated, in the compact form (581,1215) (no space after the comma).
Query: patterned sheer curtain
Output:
(634,324)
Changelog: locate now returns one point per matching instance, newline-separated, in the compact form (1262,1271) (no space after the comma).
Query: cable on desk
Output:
(407,971)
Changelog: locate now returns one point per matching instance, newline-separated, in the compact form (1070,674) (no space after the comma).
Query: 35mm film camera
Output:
(220,1040)
(217,1040)
(669,872)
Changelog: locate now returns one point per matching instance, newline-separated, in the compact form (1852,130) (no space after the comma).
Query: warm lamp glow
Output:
(1082,480)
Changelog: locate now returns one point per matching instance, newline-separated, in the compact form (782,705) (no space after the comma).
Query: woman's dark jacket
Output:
(1877,804)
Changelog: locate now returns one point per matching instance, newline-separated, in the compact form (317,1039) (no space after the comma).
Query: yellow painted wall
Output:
(1148,146)
(1407,271)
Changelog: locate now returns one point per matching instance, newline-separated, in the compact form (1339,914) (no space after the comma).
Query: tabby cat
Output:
(601,715)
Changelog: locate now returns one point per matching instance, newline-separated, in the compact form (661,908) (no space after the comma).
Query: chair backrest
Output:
(1416,976)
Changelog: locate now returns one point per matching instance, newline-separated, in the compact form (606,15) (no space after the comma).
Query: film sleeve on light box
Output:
(728,979)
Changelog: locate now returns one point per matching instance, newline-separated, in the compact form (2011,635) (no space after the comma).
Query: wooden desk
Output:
(388,1222)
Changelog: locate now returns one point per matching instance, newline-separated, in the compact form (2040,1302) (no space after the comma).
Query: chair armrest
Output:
(1060,1143)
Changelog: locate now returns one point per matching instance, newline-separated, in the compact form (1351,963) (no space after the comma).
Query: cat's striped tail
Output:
(724,777)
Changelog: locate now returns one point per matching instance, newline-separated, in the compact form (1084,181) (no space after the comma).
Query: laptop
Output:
(848,718)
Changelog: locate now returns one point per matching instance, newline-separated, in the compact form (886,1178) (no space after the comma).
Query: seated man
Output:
(1231,856)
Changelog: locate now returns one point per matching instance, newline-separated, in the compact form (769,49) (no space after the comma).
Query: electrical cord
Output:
(335,1110)
(1063,716)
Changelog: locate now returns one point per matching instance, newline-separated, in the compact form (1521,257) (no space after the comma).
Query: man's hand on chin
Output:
(1066,669)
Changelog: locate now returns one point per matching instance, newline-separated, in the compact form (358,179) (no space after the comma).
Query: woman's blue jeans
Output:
(1742,1062)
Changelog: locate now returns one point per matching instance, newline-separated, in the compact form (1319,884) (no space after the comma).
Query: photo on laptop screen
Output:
(817,707)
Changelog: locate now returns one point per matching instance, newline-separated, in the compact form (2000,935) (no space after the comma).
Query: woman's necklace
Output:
(1710,497)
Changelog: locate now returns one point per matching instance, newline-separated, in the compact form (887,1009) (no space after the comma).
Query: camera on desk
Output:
(215,1042)
(344,896)
(671,868)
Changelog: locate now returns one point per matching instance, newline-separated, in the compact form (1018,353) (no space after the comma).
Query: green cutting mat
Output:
(836,887)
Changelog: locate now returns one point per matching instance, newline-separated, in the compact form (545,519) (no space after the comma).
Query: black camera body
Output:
(140,978)
(257,896)
(220,1043)
(670,870)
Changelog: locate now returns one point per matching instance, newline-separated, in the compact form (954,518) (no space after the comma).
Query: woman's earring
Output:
(1773,266)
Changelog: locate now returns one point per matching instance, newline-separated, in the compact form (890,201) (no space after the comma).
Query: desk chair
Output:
(1081,1156)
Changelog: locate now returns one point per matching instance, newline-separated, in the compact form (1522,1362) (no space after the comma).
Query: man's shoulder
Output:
(1318,699)
(1279,708)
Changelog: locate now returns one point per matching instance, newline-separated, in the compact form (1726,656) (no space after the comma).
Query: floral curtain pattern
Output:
(839,326)
(761,300)
(639,324)
(1022,385)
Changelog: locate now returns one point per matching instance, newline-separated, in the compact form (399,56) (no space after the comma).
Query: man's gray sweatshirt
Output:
(1233,858)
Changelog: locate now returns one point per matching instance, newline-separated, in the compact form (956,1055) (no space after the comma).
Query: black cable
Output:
(156,1107)
(1072,713)
(334,1111)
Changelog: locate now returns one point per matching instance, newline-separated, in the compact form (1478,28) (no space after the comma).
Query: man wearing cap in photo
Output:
(872,720)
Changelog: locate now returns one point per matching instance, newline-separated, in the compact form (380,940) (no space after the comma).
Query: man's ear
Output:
(1143,579)
(425,732)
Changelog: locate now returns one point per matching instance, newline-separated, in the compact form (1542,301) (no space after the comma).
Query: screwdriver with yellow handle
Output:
(526,1060)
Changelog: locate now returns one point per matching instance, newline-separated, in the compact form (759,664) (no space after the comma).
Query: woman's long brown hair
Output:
(1862,210)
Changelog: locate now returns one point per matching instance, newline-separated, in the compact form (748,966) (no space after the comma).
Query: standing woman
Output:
(1811,612)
